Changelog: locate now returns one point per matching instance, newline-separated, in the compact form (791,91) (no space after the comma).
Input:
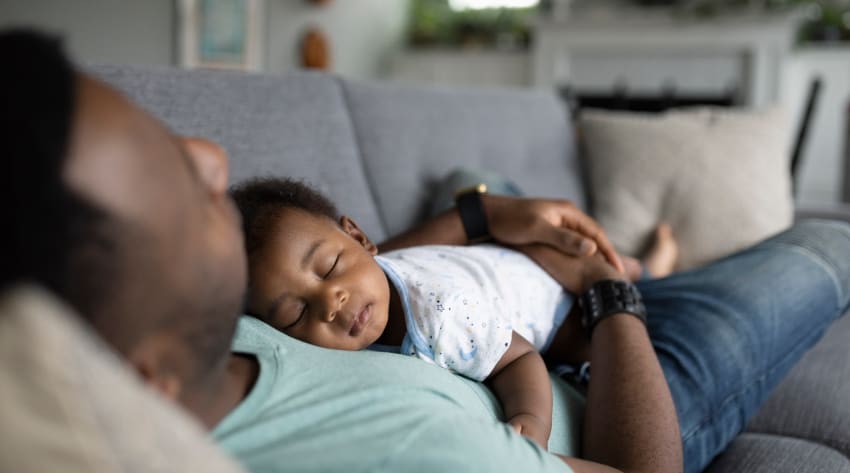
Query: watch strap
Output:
(609,297)
(471,211)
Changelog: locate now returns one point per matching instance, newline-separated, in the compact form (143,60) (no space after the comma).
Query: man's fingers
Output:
(586,247)
(607,250)
(569,241)
(586,227)
(574,243)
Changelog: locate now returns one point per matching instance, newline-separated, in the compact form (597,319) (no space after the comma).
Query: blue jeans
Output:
(727,333)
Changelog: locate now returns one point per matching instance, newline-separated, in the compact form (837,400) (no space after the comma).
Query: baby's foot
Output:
(633,266)
(661,257)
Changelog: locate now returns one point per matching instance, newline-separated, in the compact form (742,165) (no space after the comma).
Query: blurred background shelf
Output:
(600,48)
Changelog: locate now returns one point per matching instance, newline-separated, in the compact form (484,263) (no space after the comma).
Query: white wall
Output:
(102,31)
(363,33)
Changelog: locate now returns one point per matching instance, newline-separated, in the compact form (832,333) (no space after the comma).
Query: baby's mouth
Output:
(361,320)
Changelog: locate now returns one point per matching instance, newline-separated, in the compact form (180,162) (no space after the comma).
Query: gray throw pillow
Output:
(719,177)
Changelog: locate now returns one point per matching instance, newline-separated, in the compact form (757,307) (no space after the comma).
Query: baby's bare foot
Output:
(633,266)
(661,257)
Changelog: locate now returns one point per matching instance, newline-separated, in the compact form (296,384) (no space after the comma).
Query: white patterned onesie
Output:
(462,303)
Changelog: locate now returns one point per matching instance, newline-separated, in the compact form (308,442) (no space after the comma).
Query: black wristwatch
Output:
(609,297)
(471,211)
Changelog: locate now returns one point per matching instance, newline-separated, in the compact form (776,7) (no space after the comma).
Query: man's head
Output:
(129,224)
(312,274)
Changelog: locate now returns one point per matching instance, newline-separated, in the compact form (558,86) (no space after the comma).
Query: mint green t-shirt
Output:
(314,409)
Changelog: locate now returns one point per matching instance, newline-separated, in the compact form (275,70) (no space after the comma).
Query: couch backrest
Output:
(292,125)
(375,148)
(412,136)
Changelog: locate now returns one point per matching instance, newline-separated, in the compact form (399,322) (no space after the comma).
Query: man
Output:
(133,228)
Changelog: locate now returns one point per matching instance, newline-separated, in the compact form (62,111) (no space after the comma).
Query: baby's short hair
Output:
(261,200)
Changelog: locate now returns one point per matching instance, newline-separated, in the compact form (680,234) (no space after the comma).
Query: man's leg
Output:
(727,333)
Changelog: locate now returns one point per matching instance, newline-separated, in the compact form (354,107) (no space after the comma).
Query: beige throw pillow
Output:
(719,177)
(68,404)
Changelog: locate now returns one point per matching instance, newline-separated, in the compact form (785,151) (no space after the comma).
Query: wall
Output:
(363,33)
(102,31)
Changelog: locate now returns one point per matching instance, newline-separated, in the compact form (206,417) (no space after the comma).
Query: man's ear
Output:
(350,227)
(210,160)
(149,360)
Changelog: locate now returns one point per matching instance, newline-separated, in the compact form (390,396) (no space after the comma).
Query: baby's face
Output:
(318,281)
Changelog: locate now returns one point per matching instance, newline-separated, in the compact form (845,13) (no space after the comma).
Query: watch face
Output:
(480,188)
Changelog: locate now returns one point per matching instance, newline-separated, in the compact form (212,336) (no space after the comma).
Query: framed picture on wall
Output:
(221,34)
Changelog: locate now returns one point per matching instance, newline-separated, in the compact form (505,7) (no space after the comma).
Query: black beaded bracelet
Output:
(610,297)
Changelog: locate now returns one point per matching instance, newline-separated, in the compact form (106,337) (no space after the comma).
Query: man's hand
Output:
(532,427)
(575,274)
(556,223)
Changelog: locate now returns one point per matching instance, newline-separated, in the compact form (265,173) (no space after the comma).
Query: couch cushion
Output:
(813,402)
(294,125)
(410,137)
(759,453)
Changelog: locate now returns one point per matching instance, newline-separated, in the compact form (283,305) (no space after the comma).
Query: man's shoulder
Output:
(255,336)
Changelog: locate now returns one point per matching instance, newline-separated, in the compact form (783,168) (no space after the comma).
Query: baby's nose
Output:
(337,297)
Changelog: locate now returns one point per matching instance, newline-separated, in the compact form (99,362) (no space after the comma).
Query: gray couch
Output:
(377,149)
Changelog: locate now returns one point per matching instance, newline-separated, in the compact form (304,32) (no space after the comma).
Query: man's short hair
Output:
(50,232)
(261,201)
(54,236)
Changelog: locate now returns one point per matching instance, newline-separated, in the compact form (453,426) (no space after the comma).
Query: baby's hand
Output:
(532,427)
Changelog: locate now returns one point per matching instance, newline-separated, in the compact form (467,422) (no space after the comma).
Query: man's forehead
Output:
(118,153)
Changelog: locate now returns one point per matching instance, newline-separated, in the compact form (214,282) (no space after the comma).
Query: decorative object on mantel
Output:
(823,20)
(220,34)
(441,24)
(315,50)
(827,21)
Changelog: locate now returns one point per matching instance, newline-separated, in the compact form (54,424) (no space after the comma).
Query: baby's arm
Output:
(521,383)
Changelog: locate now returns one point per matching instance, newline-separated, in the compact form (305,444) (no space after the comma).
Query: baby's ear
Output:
(350,227)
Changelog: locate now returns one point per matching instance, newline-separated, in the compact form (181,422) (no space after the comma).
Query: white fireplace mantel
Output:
(657,53)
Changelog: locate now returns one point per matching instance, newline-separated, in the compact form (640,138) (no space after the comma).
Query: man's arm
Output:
(630,420)
(517,221)
(521,383)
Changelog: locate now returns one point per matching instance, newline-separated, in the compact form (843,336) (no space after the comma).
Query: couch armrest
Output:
(835,211)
